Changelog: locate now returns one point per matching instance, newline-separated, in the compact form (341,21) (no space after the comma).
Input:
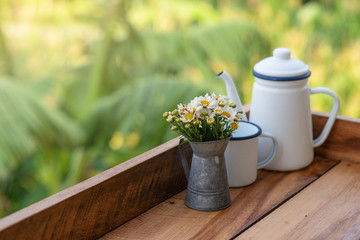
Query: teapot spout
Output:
(232,92)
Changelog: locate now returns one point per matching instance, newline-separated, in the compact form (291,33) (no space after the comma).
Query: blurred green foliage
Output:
(83,84)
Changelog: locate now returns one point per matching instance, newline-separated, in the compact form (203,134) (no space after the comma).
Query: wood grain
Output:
(173,220)
(327,209)
(343,142)
(99,204)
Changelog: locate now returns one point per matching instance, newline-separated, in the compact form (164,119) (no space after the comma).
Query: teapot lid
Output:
(281,67)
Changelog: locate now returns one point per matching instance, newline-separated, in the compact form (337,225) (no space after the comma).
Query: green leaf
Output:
(26,125)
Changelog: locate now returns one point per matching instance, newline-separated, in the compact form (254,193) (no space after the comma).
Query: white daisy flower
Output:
(229,113)
(204,101)
(218,111)
(187,113)
(221,100)
(182,107)
(187,116)
(202,113)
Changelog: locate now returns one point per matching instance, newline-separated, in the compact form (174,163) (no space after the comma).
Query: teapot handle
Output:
(183,158)
(330,122)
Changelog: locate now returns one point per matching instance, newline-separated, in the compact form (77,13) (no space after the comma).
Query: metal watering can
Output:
(208,188)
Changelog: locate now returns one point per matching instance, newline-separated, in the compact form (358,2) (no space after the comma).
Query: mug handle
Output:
(183,158)
(330,122)
(273,152)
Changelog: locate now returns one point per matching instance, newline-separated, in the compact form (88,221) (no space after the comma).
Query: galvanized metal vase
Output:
(208,188)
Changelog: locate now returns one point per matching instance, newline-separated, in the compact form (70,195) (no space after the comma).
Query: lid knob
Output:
(282,53)
(281,67)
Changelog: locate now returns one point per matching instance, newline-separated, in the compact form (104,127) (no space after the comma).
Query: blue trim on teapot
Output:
(272,78)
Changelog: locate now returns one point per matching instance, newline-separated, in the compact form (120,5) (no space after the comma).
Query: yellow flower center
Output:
(205,103)
(234,126)
(189,116)
(210,121)
(218,112)
(222,103)
(170,119)
(196,122)
(226,114)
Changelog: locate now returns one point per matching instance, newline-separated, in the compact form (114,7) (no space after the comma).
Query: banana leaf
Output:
(26,125)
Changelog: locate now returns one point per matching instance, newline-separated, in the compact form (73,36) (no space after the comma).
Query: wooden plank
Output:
(99,204)
(327,209)
(173,220)
(343,142)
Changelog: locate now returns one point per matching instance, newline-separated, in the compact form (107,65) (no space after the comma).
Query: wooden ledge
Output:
(343,142)
(103,202)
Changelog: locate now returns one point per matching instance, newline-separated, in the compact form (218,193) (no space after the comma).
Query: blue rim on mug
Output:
(237,135)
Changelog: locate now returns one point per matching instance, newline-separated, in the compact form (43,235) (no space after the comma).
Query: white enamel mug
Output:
(241,154)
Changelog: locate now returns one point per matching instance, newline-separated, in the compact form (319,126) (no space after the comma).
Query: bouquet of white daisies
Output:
(205,118)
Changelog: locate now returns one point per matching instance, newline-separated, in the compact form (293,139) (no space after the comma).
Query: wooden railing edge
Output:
(97,179)
(343,141)
(150,177)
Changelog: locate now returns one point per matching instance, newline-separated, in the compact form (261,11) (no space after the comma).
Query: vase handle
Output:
(183,158)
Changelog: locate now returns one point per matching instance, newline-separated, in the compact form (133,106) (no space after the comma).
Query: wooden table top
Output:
(318,202)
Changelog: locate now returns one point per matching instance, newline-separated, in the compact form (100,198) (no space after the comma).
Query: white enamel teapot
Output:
(280,104)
